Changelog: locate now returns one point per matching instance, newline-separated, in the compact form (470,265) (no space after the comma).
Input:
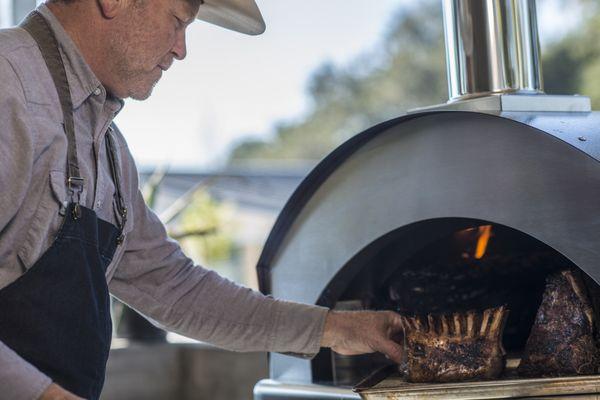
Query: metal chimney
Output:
(494,62)
(492,46)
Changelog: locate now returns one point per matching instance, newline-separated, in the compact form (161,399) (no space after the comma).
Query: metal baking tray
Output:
(389,384)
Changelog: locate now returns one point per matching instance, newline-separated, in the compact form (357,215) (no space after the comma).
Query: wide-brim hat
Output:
(238,15)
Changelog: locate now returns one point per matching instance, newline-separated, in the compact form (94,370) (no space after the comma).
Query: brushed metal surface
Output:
(492,46)
(466,165)
(268,389)
(497,103)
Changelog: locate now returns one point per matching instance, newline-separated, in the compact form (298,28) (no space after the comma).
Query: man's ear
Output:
(111,8)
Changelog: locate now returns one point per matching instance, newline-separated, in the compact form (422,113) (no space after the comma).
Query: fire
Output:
(485,232)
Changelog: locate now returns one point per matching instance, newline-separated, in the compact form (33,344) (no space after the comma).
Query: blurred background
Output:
(230,132)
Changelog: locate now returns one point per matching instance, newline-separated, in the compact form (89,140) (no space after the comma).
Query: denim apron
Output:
(57,314)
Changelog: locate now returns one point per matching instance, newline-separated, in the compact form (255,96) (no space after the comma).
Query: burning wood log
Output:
(562,342)
(457,347)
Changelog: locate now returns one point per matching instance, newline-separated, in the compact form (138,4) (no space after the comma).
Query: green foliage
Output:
(204,214)
(572,65)
(405,71)
(196,220)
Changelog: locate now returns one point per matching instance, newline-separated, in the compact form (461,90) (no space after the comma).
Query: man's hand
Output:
(55,392)
(359,332)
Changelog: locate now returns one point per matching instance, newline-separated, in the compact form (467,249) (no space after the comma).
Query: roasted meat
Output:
(458,347)
(562,341)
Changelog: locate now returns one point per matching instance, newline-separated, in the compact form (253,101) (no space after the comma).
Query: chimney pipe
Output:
(492,47)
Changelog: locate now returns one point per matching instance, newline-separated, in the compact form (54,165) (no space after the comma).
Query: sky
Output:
(233,86)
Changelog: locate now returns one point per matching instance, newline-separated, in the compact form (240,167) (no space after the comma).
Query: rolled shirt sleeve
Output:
(156,278)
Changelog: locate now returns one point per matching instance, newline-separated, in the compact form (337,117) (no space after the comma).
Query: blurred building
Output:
(256,195)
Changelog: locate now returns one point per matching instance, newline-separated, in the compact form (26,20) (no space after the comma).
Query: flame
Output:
(485,232)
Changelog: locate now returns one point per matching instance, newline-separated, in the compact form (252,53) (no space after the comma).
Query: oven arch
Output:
(526,171)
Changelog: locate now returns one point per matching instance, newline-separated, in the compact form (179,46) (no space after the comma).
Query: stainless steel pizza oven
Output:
(465,205)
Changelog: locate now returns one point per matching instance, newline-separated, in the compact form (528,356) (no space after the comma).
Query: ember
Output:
(482,242)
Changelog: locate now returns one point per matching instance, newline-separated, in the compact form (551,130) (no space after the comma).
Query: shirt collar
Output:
(82,81)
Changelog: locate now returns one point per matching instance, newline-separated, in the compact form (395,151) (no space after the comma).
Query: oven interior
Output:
(442,266)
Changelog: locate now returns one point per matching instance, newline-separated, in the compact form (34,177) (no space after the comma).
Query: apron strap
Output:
(37,26)
(121,207)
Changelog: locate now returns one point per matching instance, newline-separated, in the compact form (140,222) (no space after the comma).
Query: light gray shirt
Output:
(149,272)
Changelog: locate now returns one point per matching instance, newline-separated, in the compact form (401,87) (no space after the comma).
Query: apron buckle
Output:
(75,184)
(75,181)
(75,188)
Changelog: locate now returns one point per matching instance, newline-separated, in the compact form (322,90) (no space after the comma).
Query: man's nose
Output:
(180,48)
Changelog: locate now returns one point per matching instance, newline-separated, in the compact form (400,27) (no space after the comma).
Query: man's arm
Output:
(18,378)
(157,279)
(16,151)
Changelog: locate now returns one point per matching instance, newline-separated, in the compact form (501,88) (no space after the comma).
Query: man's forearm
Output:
(198,303)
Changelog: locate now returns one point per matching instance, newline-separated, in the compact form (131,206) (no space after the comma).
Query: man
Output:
(73,224)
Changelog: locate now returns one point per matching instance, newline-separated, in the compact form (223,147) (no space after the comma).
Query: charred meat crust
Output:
(561,341)
(457,347)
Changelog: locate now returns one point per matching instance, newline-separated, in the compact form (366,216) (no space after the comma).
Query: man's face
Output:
(148,36)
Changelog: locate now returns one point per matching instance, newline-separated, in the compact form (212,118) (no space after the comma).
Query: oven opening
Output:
(444,266)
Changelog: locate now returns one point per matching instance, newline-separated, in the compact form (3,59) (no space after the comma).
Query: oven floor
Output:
(388,384)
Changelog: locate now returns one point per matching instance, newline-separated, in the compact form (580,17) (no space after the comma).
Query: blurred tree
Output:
(405,71)
(206,229)
(572,64)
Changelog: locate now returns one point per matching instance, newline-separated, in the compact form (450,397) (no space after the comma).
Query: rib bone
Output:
(455,347)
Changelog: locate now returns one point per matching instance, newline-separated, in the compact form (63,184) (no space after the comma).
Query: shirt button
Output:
(97,91)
